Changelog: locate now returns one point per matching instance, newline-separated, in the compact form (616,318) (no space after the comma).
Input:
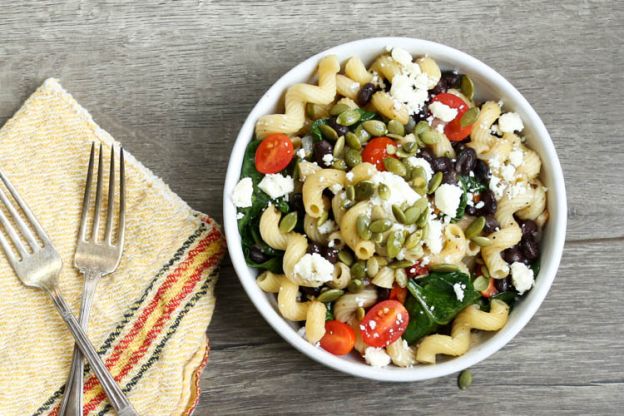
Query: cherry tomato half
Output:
(491,289)
(274,153)
(398,293)
(376,150)
(454,130)
(416,270)
(384,323)
(339,338)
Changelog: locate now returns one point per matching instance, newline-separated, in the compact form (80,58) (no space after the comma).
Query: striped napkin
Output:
(149,318)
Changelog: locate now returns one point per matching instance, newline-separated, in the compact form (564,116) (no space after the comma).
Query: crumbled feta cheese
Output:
(434,236)
(495,130)
(239,215)
(497,186)
(401,56)
(241,196)
(276,185)
(419,161)
(459,292)
(522,277)
(442,111)
(314,268)
(510,122)
(479,205)
(447,199)
(328,159)
(335,188)
(327,227)
(349,176)
(405,91)
(516,157)
(400,191)
(508,172)
(376,357)
(301,153)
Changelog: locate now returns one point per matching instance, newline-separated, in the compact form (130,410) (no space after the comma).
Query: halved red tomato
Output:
(339,338)
(491,289)
(416,269)
(398,293)
(376,150)
(384,323)
(274,153)
(454,130)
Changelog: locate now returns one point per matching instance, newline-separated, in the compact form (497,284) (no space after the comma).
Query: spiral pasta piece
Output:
(363,249)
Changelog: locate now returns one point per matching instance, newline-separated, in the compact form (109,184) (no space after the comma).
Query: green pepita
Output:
(339,164)
(430,136)
(364,190)
(360,313)
(413,239)
(467,87)
(375,128)
(394,244)
(330,295)
(361,224)
(355,286)
(353,141)
(410,147)
(400,277)
(394,136)
(384,191)
(378,212)
(435,182)
(395,166)
(353,158)
(348,118)
(400,264)
(339,146)
(418,172)
(350,192)
(346,203)
(377,238)
(338,109)
(481,283)
(475,227)
(288,223)
(346,257)
(399,214)
(444,268)
(413,213)
(469,117)
(358,270)
(485,271)
(411,123)
(381,225)
(422,221)
(465,377)
(322,218)
(481,241)
(362,134)
(328,132)
(420,128)
(395,127)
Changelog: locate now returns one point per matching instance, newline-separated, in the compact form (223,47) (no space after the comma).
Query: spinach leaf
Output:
(315,129)
(469,184)
(433,302)
(366,115)
(329,313)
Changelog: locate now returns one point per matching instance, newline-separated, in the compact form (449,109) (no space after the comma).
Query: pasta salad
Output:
(391,212)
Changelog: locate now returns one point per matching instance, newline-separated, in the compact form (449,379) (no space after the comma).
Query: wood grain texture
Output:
(174,82)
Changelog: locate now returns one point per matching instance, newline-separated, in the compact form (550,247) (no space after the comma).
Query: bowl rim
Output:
(557,224)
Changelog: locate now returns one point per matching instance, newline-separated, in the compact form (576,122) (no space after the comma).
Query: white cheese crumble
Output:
(327,227)
(419,161)
(335,188)
(459,291)
(241,196)
(508,172)
(410,86)
(240,215)
(516,157)
(328,159)
(400,191)
(522,277)
(497,186)
(442,111)
(434,236)
(447,199)
(510,122)
(301,153)
(349,176)
(376,357)
(314,268)
(276,185)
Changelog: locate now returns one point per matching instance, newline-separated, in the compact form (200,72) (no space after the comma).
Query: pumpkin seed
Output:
(399,214)
(353,140)
(377,238)
(378,212)
(394,244)
(328,132)
(360,313)
(444,268)
(422,221)
(353,158)
(372,266)
(435,182)
(384,191)
(394,136)
(481,283)
(355,286)
(361,132)
(322,218)
(339,164)
(431,136)
(413,213)
(346,257)
(402,153)
(330,295)
(481,241)
(288,223)
(361,224)
(350,192)
(395,166)
(410,147)
(358,270)
(346,203)
(380,226)
(465,379)
(469,117)
(418,172)
(395,127)
(376,128)
(364,190)
(420,128)
(413,239)
(400,277)
(400,264)
(485,271)
(338,109)
(339,146)
(467,87)
(475,227)
(348,118)
(411,123)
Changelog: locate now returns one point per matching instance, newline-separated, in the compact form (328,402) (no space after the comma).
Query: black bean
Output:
(490,224)
(503,285)
(442,164)
(310,292)
(466,161)
(471,210)
(513,255)
(450,177)
(529,228)
(382,293)
(423,113)
(489,202)
(530,249)
(439,88)
(331,254)
(322,149)
(256,255)
(365,94)
(340,129)
(314,248)
(451,78)
(481,170)
(426,154)
(296,204)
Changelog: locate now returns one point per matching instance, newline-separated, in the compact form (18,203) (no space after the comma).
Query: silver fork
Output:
(95,258)
(38,264)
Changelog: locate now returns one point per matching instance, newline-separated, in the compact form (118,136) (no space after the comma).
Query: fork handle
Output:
(73,398)
(117,398)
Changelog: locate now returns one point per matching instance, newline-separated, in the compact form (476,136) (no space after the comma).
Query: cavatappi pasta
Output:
(391,212)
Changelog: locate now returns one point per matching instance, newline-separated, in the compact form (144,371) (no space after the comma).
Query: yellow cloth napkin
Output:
(149,318)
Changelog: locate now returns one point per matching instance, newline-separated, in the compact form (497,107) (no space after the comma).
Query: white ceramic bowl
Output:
(489,84)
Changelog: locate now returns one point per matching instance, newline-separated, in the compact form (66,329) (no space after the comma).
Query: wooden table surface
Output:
(174,81)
